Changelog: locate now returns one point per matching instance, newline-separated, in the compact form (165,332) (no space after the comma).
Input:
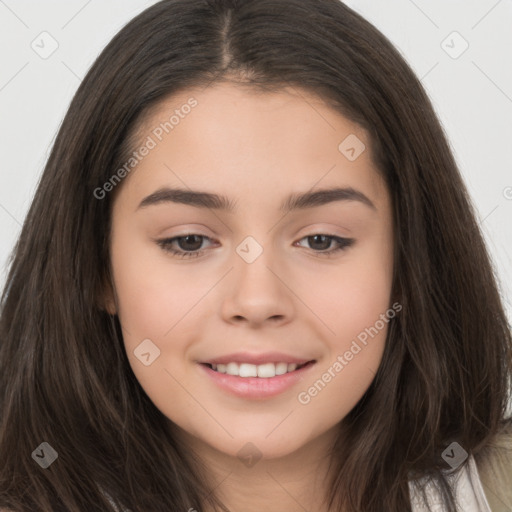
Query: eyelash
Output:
(166,245)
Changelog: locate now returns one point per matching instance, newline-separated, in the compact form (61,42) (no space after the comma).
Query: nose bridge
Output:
(252,267)
(257,293)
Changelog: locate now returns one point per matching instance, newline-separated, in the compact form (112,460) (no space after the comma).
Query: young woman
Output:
(251,278)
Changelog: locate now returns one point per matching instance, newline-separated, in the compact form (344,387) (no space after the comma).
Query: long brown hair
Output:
(64,375)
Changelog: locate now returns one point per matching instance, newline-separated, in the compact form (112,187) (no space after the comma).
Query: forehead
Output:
(247,140)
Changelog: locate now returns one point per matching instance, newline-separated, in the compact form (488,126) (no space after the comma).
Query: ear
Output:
(110,306)
(106,299)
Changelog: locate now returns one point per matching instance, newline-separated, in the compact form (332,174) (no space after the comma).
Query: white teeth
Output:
(248,370)
(232,368)
(281,368)
(264,371)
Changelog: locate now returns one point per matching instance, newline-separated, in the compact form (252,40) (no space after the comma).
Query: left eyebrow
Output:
(300,201)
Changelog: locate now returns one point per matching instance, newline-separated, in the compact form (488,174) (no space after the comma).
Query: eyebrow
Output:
(300,201)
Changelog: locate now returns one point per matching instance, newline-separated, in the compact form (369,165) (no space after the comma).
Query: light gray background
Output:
(472,93)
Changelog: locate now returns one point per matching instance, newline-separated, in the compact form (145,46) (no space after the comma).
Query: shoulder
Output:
(494,464)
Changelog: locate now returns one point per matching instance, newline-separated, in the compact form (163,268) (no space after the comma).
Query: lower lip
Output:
(256,387)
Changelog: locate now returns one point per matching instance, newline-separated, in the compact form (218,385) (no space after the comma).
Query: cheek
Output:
(341,382)
(156,302)
(357,312)
(350,296)
(359,315)
(153,295)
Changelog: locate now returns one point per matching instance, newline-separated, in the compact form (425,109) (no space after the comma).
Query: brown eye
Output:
(190,242)
(186,246)
(321,243)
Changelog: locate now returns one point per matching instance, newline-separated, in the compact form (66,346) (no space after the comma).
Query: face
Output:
(268,277)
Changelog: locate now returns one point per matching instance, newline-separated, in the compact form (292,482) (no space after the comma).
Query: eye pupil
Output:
(326,243)
(187,239)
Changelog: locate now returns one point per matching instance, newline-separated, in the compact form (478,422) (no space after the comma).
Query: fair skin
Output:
(256,149)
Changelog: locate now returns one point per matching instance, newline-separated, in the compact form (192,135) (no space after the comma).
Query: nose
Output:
(258,292)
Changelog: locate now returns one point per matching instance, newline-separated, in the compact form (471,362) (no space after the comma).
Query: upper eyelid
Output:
(312,230)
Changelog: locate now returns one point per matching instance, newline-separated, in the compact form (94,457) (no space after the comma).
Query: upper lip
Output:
(247,357)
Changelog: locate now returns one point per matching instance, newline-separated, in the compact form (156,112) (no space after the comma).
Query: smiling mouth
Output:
(263,371)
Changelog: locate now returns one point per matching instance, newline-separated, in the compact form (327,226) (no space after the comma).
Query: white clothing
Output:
(467,487)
